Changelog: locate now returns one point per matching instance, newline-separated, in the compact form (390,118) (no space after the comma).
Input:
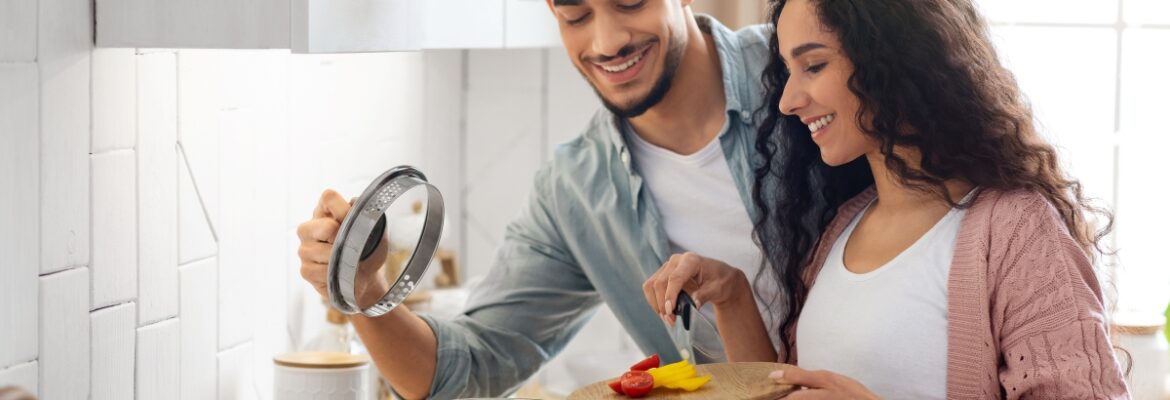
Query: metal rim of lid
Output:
(343,262)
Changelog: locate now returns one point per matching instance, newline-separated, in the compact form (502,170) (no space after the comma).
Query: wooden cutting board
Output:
(732,381)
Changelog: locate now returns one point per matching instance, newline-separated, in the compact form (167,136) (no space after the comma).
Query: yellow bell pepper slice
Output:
(672,373)
(690,384)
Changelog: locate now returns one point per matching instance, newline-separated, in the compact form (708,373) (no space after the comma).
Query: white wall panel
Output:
(201,76)
(197,306)
(64,327)
(115,270)
(196,240)
(504,141)
(235,373)
(18,30)
(112,352)
(22,376)
(114,99)
(64,41)
(158,253)
(158,360)
(571,100)
(237,227)
(19,209)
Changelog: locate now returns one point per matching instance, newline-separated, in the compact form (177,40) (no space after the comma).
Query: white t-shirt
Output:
(886,328)
(702,212)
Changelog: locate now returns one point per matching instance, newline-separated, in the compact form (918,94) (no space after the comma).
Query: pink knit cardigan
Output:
(1024,308)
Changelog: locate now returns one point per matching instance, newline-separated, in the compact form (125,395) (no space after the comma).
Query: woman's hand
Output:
(706,280)
(821,385)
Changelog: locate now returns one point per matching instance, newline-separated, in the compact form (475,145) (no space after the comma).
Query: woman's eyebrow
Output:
(805,48)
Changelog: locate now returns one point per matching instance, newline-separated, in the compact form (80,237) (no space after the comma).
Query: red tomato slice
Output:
(637,383)
(649,362)
(617,386)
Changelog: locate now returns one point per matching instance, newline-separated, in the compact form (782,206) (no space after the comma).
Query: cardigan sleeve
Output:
(1047,310)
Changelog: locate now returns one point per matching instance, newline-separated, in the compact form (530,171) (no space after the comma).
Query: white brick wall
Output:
(23,376)
(64,45)
(115,239)
(158,361)
(19,208)
(235,373)
(158,222)
(198,330)
(112,352)
(114,100)
(64,331)
(135,270)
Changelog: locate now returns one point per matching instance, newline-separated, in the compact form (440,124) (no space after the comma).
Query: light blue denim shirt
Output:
(588,234)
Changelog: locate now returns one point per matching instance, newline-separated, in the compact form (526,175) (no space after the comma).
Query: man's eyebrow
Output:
(566,3)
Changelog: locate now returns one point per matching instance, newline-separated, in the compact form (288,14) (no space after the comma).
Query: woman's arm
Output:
(1048,309)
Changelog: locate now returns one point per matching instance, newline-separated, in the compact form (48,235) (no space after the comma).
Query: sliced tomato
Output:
(617,386)
(637,383)
(649,362)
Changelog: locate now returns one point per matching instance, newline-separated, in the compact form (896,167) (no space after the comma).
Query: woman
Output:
(929,244)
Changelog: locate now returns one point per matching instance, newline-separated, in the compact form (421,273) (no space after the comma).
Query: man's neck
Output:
(690,115)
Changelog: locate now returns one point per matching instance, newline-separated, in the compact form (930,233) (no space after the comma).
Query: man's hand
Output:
(317,237)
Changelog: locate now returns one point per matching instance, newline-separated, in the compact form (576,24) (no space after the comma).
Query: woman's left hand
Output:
(821,385)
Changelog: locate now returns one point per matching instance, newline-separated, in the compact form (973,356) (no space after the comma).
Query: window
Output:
(1097,73)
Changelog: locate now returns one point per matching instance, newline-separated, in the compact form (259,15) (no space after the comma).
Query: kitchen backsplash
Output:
(151,195)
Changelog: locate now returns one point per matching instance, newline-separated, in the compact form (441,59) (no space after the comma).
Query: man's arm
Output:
(534,299)
(403,347)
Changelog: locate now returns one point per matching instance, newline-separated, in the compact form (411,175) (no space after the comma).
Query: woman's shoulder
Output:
(1016,210)
(1018,226)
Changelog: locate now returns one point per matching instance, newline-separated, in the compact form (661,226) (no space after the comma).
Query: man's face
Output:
(628,50)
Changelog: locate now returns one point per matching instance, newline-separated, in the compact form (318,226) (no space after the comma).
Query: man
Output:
(662,170)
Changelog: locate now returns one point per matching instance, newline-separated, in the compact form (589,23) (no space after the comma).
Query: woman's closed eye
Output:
(814,68)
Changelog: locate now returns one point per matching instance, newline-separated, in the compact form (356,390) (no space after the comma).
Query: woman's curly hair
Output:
(927,78)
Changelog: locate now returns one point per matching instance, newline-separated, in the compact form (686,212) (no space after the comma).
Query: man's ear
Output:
(550,6)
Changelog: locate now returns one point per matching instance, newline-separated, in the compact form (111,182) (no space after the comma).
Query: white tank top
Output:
(886,328)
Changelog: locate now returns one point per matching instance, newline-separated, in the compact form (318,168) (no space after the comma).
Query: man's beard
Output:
(674,53)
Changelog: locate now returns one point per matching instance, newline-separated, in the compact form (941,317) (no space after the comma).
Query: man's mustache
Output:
(624,52)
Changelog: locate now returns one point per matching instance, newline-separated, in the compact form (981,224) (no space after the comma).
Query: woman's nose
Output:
(792,99)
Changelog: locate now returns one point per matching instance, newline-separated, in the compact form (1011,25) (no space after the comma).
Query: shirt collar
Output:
(735,82)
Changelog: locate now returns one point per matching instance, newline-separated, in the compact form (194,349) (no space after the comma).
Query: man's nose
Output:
(609,37)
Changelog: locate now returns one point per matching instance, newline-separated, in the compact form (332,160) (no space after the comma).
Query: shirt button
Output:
(625,157)
(747,116)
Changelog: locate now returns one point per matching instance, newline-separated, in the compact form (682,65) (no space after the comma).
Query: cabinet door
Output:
(529,23)
(227,24)
(351,26)
(463,24)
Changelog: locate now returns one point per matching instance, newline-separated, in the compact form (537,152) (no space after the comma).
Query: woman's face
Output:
(816,90)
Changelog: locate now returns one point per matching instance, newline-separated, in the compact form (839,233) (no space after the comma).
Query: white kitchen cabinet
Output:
(463,24)
(488,24)
(307,26)
(325,26)
(529,23)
